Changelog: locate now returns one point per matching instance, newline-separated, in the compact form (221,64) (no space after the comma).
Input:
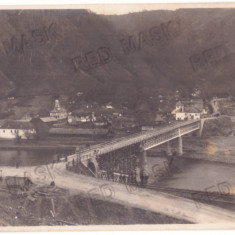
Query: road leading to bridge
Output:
(144,199)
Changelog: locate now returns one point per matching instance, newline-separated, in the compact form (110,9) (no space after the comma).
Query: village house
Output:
(14,129)
(77,117)
(109,106)
(58,112)
(48,119)
(188,113)
(192,109)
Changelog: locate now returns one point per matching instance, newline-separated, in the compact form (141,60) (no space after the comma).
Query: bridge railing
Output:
(136,138)
(190,127)
(157,140)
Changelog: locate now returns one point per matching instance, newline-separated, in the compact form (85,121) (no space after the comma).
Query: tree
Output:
(29,134)
(41,129)
(17,137)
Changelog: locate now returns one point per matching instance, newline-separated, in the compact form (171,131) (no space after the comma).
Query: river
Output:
(182,173)
(193,174)
(30,157)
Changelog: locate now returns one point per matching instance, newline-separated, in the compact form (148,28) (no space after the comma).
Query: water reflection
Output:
(29,157)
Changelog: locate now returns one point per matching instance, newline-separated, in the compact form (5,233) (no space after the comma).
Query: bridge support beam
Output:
(179,146)
(143,166)
(168,149)
(201,124)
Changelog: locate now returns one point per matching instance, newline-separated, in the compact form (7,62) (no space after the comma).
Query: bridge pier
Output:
(201,124)
(168,149)
(179,149)
(143,166)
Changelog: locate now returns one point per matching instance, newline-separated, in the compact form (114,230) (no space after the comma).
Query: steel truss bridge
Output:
(141,141)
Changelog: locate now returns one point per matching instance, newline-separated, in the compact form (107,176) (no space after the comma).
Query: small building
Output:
(14,129)
(189,113)
(193,109)
(180,116)
(81,117)
(117,115)
(58,112)
(109,106)
(48,119)
(79,94)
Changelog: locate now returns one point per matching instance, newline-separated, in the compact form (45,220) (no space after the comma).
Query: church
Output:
(58,112)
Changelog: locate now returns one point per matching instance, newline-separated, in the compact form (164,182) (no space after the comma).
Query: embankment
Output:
(215,144)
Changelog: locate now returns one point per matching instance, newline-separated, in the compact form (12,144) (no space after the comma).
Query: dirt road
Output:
(173,206)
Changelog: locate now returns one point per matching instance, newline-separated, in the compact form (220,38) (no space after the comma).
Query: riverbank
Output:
(214,148)
(50,143)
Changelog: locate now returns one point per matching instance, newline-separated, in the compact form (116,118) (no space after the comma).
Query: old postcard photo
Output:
(117,115)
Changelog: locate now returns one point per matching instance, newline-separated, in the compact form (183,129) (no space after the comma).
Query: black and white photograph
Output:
(117,115)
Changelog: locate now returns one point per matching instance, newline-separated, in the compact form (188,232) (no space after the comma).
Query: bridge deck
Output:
(125,141)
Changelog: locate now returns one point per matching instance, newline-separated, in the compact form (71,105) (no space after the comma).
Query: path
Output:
(140,198)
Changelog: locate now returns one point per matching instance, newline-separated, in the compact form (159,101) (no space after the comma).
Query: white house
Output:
(14,129)
(193,110)
(189,113)
(180,116)
(78,117)
(109,106)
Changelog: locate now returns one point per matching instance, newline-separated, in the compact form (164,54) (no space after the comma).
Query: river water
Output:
(182,173)
(30,157)
(193,174)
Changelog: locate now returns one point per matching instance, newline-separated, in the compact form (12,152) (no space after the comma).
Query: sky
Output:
(119,9)
(110,7)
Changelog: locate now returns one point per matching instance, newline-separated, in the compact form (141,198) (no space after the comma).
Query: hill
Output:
(122,59)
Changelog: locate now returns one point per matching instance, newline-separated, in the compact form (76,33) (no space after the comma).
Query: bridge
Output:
(120,157)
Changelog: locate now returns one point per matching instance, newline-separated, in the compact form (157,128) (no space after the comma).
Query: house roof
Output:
(176,110)
(11,124)
(192,109)
(49,119)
